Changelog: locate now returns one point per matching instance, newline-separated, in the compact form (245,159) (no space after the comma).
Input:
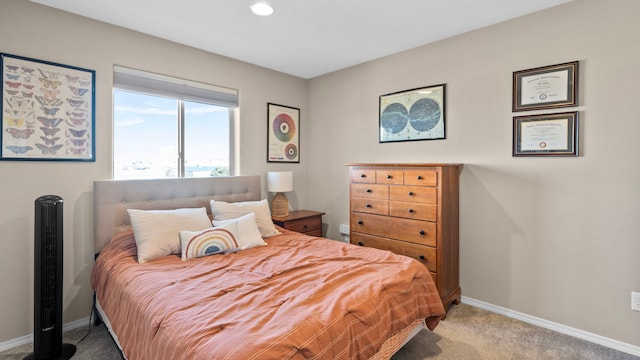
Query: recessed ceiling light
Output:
(262,9)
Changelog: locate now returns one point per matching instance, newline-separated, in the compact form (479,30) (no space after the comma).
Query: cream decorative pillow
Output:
(157,231)
(215,240)
(248,233)
(224,211)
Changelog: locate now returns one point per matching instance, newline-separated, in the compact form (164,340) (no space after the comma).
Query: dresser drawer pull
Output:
(360,243)
(411,193)
(422,232)
(369,206)
(411,211)
(360,222)
(389,176)
(369,190)
(363,176)
(306,226)
(419,177)
(422,257)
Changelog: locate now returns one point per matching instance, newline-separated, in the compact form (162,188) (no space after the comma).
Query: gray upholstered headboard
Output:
(112,198)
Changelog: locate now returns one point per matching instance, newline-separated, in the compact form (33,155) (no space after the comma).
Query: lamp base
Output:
(279,205)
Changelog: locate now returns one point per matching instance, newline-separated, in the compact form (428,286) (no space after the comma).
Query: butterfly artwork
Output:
(20,133)
(51,94)
(14,122)
(77,151)
(44,101)
(12,92)
(15,113)
(76,142)
(51,84)
(77,114)
(49,74)
(12,67)
(49,111)
(49,141)
(13,84)
(49,131)
(77,133)
(49,122)
(45,150)
(18,149)
(78,91)
(73,122)
(84,82)
(27,95)
(20,103)
(71,79)
(75,103)
(27,70)
(13,77)
(28,86)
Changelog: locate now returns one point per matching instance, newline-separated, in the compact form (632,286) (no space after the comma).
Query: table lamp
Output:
(279,182)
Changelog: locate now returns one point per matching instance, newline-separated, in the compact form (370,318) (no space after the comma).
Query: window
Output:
(166,127)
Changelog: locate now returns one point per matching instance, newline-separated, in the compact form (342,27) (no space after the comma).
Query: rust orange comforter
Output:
(299,297)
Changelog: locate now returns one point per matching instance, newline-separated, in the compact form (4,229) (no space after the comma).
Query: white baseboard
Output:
(563,329)
(10,344)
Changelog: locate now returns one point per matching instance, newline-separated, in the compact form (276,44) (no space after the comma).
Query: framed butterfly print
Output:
(48,110)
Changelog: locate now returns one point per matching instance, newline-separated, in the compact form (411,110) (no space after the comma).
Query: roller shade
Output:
(156,84)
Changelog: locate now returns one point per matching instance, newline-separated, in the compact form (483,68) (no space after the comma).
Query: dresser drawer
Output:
(389,177)
(419,194)
(304,225)
(425,254)
(370,191)
(413,210)
(372,206)
(422,177)
(363,176)
(415,231)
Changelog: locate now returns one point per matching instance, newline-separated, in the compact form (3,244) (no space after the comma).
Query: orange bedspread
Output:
(299,297)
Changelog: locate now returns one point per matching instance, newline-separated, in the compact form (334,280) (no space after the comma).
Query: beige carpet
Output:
(468,333)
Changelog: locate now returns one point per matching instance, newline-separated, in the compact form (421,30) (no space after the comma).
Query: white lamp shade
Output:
(280,181)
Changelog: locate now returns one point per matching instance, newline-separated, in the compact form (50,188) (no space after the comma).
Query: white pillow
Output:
(224,211)
(215,240)
(248,233)
(156,231)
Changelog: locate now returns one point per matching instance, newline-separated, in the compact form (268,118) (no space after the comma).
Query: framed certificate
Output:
(549,134)
(546,87)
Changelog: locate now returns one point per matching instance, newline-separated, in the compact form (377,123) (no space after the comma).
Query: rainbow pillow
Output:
(216,240)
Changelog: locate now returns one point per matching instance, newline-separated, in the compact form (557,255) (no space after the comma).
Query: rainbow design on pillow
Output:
(209,242)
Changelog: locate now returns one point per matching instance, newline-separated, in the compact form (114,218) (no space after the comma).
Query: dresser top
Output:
(406,164)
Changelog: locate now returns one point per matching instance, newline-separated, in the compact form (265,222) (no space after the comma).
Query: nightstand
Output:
(303,221)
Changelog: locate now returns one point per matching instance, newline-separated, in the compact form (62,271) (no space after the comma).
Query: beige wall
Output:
(555,238)
(39,32)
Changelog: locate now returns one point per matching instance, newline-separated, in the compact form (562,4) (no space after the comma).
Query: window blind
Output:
(161,85)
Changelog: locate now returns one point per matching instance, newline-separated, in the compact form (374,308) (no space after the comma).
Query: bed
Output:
(292,297)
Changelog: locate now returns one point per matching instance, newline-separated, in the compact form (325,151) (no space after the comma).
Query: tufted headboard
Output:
(112,198)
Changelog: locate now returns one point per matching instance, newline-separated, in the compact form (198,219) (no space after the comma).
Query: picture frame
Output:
(546,135)
(547,87)
(283,134)
(415,114)
(48,110)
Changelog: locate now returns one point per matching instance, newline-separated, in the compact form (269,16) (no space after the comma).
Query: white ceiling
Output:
(305,38)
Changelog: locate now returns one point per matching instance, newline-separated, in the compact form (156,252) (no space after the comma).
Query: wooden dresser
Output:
(410,209)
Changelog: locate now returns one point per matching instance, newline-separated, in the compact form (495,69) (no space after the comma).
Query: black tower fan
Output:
(47,282)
